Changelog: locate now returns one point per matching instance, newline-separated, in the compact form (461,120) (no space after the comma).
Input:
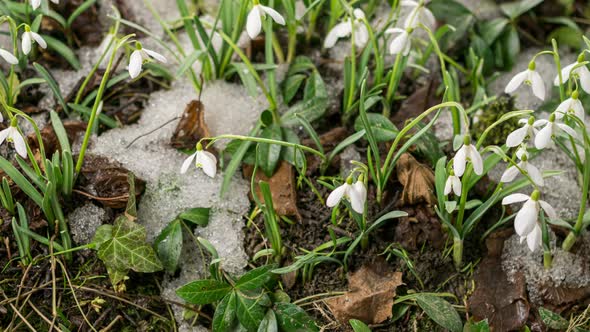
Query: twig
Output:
(151,131)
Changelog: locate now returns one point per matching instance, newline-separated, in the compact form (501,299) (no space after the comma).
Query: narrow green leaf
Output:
(268,154)
(359,326)
(79,10)
(63,50)
(188,61)
(383,129)
(269,323)
(21,181)
(52,84)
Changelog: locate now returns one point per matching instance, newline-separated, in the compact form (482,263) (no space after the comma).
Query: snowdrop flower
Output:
(8,57)
(532,171)
(401,43)
(581,72)
(355,193)
(527,130)
(138,57)
(344,29)
(465,153)
(525,223)
(419,14)
(551,128)
(571,105)
(27,40)
(203,159)
(36,3)
(453,184)
(254,20)
(11,134)
(529,77)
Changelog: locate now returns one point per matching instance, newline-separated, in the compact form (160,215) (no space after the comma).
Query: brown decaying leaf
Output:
(420,226)
(282,187)
(423,98)
(191,127)
(417,179)
(370,296)
(502,302)
(50,141)
(106,181)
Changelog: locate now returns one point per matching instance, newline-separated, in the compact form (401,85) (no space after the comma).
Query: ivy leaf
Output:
(102,235)
(292,318)
(169,245)
(203,291)
(553,320)
(250,311)
(225,313)
(440,311)
(256,278)
(127,248)
(269,323)
(197,216)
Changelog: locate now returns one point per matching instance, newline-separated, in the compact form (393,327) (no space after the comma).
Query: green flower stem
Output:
(265,140)
(269,57)
(392,86)
(234,37)
(458,252)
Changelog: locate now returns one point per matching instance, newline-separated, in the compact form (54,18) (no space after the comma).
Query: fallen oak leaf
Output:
(370,296)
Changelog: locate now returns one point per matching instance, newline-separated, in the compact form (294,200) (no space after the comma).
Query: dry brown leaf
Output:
(282,187)
(370,296)
(420,226)
(191,127)
(423,98)
(50,141)
(417,179)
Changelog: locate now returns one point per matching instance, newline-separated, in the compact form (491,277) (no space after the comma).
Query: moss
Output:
(492,113)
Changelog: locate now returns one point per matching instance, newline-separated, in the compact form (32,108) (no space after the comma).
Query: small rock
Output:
(85,220)
(349,154)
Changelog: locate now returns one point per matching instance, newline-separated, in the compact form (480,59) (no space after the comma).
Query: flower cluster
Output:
(466,153)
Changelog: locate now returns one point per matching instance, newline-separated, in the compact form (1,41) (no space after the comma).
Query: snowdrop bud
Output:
(138,57)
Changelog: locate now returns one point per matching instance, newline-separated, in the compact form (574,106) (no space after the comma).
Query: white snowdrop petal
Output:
(537,84)
(358,13)
(565,74)
(409,3)
(456,186)
(187,163)
(4,134)
(459,161)
(360,188)
(516,81)
(156,55)
(398,44)
(476,160)
(35,4)
(526,218)
(514,198)
(361,36)
(207,161)
(394,30)
(338,31)
(8,57)
(516,137)
(135,63)
(336,195)
(540,123)
(578,109)
(356,201)
(534,238)
(278,18)
(254,22)
(39,39)
(509,174)
(584,78)
(26,43)
(543,137)
(19,142)
(549,211)
(535,174)
(448,185)
(567,129)
(428,18)
(563,107)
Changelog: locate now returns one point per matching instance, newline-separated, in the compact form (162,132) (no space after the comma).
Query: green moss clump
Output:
(492,113)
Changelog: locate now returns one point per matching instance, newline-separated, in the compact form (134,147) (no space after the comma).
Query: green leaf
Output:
(552,319)
(516,8)
(359,326)
(128,249)
(204,291)
(60,131)
(81,9)
(290,154)
(250,311)
(440,311)
(292,318)
(103,233)
(346,142)
(63,50)
(52,84)
(491,30)
(481,326)
(311,110)
(247,78)
(169,245)
(21,181)
(256,278)
(269,154)
(269,323)
(383,129)
(189,60)
(197,216)
(291,86)
(225,314)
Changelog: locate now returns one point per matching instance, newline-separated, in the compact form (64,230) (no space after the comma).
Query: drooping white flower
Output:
(401,44)
(254,20)
(525,223)
(467,152)
(11,134)
(512,172)
(580,72)
(355,193)
(453,184)
(203,159)
(138,57)
(346,28)
(27,40)
(572,106)
(529,77)
(8,57)
(516,137)
(35,4)
(419,14)
(548,132)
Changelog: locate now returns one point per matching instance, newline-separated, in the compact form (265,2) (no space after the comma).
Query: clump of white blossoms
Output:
(528,130)
(138,57)
(526,222)
(551,129)
(11,134)
(203,159)
(419,14)
(27,40)
(355,26)
(529,77)
(36,3)
(355,193)
(401,44)
(254,20)
(577,70)
(523,166)
(467,152)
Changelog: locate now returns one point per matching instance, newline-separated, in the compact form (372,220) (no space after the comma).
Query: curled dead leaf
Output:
(191,127)
(370,296)
(417,179)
